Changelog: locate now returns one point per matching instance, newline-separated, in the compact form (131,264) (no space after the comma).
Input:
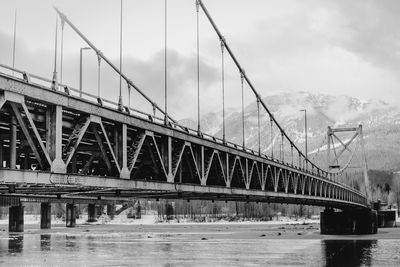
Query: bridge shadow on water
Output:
(348,252)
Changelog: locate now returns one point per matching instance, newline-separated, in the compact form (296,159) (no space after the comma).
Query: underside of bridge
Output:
(56,144)
(56,147)
(59,144)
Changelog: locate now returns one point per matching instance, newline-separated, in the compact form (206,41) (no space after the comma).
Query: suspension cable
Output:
(242,71)
(198,66)
(272,137)
(62,50)
(223,90)
(165,67)
(291,148)
(241,79)
(129,98)
(259,130)
(281,150)
(114,67)
(120,63)
(54,84)
(98,76)
(14,42)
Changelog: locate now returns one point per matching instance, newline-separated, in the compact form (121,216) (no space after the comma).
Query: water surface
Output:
(253,245)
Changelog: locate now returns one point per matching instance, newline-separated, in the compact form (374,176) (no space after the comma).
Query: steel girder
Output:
(102,142)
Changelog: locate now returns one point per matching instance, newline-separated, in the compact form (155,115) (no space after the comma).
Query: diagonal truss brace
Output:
(237,159)
(158,154)
(265,176)
(102,148)
(28,115)
(254,166)
(25,130)
(136,152)
(80,136)
(2,100)
(345,145)
(98,120)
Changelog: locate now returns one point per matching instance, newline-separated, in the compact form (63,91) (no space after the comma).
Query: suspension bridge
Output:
(61,144)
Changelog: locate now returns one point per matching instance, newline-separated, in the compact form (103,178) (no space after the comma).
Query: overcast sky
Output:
(334,47)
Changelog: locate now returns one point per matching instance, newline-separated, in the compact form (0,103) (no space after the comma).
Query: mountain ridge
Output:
(379,119)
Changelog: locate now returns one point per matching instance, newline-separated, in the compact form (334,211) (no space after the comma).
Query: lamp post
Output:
(80,69)
(305,131)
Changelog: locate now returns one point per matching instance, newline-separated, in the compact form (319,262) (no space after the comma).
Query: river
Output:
(196,245)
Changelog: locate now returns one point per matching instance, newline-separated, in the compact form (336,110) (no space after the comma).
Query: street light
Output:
(305,130)
(80,69)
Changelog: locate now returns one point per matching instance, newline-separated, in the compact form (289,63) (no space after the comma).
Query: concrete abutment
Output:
(16,219)
(70,215)
(91,213)
(348,222)
(45,216)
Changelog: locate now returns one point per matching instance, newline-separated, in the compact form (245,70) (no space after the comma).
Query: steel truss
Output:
(56,139)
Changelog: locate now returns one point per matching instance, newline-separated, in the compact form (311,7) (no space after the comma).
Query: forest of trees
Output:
(195,210)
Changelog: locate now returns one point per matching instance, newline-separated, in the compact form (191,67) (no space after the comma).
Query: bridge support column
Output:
(70,215)
(45,216)
(54,138)
(348,222)
(111,211)
(125,174)
(170,178)
(13,143)
(16,219)
(1,153)
(91,212)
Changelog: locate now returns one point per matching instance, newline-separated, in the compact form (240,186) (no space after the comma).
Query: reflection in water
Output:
(70,241)
(15,243)
(103,248)
(166,248)
(348,252)
(45,243)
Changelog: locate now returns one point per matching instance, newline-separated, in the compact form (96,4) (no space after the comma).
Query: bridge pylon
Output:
(344,145)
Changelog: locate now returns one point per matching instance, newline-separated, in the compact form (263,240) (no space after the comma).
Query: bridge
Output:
(61,144)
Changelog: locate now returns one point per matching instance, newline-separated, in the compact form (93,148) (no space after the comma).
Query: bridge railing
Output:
(48,84)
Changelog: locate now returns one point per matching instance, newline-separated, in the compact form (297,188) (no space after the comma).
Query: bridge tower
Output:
(343,146)
(363,221)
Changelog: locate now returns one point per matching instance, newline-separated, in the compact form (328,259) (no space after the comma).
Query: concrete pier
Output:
(16,219)
(386,218)
(70,215)
(91,213)
(111,210)
(348,222)
(45,216)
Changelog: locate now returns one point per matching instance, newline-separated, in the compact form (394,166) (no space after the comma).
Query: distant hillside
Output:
(380,124)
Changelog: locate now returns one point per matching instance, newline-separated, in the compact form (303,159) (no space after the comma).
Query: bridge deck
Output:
(79,144)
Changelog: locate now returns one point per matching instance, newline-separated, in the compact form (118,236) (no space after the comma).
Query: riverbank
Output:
(205,231)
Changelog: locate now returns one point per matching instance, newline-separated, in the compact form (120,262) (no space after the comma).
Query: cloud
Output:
(325,47)
(373,27)
(147,75)
(331,47)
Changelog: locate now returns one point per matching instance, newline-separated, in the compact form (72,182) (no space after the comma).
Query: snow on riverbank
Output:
(154,219)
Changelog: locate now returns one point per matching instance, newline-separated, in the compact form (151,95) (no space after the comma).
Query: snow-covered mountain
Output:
(381,125)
